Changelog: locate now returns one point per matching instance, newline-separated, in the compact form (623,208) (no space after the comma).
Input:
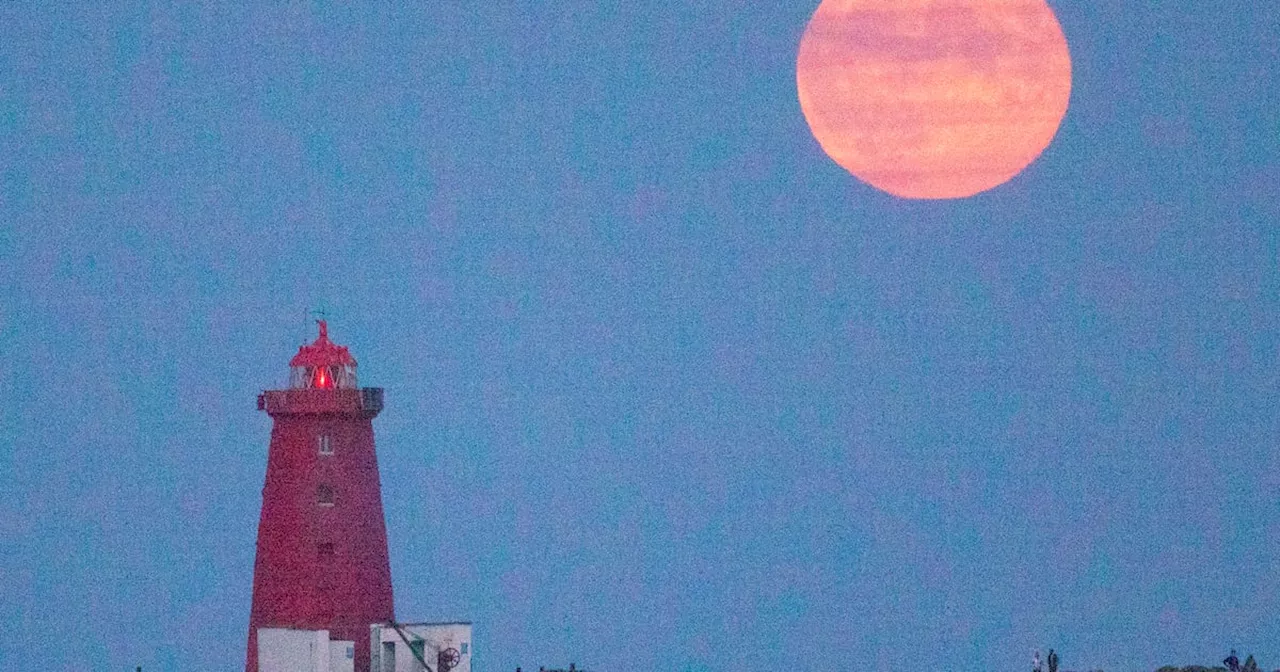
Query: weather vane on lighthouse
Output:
(321,313)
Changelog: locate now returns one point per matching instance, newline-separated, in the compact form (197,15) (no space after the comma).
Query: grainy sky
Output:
(666,388)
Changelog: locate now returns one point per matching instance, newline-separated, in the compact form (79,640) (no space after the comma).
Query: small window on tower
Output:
(325,551)
(325,445)
(324,495)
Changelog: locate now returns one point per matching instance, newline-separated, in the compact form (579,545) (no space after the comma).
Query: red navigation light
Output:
(322,378)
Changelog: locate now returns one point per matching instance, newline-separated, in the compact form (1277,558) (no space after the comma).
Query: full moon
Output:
(934,98)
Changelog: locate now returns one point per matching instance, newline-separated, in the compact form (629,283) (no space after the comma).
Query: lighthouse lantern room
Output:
(323,365)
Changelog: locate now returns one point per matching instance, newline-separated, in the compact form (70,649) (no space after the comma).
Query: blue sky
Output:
(666,387)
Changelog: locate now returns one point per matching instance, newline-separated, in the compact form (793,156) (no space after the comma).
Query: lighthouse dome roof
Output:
(322,352)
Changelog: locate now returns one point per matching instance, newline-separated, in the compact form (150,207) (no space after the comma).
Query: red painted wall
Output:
(296,583)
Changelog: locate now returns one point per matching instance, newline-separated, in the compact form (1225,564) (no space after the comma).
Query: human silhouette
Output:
(1232,662)
(1035,661)
(1053,661)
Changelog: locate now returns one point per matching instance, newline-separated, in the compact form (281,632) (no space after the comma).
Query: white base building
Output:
(395,647)
(283,650)
(403,647)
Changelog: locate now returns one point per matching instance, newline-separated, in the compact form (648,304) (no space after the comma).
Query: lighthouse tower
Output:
(322,542)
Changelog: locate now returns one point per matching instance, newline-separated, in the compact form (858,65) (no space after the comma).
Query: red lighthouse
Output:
(322,542)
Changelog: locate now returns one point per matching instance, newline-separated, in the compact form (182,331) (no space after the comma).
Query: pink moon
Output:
(934,99)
